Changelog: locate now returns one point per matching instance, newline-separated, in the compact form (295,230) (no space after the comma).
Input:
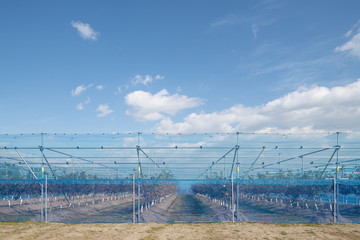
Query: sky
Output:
(179,66)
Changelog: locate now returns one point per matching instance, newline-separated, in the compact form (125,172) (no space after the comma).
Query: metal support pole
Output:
(139,206)
(279,164)
(42,177)
(302,166)
(73,181)
(232,198)
(217,161)
(46,198)
(332,155)
(42,155)
(237,194)
(224,168)
(335,201)
(42,203)
(73,167)
(337,178)
(337,155)
(133,198)
(237,178)
(138,149)
(235,158)
(253,163)
(47,162)
(27,165)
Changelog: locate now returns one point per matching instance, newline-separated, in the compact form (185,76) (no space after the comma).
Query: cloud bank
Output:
(315,109)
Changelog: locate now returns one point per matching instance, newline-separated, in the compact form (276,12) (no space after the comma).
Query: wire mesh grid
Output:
(179,177)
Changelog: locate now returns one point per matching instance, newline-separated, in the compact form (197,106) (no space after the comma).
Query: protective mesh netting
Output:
(180,177)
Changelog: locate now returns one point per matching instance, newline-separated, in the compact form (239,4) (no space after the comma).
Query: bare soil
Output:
(186,208)
(266,211)
(99,208)
(181,231)
(175,208)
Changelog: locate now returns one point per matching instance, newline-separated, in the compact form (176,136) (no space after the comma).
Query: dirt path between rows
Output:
(186,208)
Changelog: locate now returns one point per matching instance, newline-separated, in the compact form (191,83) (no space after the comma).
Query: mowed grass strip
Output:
(80,231)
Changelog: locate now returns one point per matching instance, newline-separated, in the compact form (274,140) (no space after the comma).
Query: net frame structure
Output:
(185,160)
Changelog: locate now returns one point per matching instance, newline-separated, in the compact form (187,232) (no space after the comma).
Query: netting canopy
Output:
(180,177)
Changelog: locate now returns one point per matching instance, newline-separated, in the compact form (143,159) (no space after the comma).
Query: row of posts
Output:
(233,208)
(44,196)
(44,191)
(335,181)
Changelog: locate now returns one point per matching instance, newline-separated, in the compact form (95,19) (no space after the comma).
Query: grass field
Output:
(179,231)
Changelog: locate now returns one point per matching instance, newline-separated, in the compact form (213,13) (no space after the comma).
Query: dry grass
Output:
(179,231)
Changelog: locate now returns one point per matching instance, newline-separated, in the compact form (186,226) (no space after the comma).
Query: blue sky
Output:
(179,66)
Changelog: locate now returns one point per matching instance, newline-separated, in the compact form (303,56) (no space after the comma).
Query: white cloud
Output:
(80,107)
(138,79)
(315,109)
(121,89)
(99,87)
(158,77)
(353,45)
(103,110)
(152,107)
(354,28)
(79,89)
(85,30)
